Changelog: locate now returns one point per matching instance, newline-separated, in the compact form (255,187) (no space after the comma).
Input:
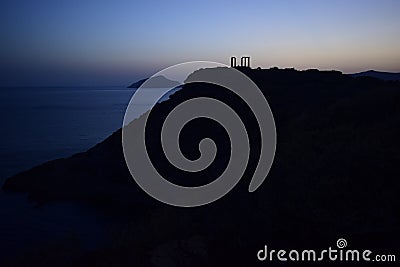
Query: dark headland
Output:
(154,82)
(336,174)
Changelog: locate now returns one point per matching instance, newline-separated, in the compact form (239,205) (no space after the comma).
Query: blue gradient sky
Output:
(116,42)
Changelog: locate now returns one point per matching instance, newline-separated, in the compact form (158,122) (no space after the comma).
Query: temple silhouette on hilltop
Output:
(244,62)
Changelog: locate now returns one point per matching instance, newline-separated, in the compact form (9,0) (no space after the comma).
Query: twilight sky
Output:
(49,42)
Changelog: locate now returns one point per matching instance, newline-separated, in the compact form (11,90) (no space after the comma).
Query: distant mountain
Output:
(155,82)
(386,76)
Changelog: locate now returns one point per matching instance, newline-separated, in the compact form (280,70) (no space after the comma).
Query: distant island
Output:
(386,76)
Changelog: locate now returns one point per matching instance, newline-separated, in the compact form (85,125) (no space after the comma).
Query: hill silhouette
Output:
(335,175)
(155,82)
(386,76)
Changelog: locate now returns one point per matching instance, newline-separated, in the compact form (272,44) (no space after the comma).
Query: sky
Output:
(96,42)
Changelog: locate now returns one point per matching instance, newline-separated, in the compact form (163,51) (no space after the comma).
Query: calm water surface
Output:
(40,124)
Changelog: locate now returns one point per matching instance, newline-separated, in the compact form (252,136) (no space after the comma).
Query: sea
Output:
(41,124)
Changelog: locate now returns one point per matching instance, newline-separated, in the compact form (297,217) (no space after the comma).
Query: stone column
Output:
(233,62)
